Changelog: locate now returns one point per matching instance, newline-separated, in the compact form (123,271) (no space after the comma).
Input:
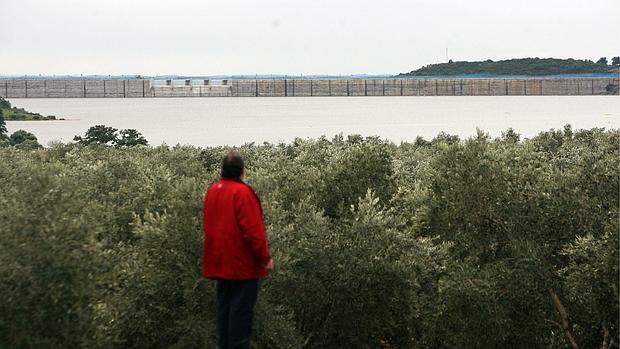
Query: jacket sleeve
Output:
(250,218)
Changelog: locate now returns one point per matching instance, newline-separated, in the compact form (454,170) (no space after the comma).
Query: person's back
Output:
(234,233)
(235,251)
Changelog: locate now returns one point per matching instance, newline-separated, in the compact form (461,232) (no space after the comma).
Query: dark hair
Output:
(232,165)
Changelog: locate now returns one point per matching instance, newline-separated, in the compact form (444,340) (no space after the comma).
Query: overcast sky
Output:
(205,37)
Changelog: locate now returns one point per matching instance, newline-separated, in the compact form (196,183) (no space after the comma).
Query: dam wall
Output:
(305,87)
(74,88)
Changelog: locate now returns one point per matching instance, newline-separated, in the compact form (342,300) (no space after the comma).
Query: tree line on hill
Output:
(521,66)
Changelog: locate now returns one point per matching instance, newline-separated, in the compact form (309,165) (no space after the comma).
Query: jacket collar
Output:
(231,180)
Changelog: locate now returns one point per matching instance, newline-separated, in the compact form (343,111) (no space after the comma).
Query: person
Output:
(236,253)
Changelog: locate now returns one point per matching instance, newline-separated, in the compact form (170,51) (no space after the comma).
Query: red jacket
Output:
(235,243)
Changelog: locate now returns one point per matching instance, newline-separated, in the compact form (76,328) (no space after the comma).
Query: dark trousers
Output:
(235,310)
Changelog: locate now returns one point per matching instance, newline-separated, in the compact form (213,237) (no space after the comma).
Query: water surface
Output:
(234,121)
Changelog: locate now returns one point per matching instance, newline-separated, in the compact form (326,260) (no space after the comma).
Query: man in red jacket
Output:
(235,251)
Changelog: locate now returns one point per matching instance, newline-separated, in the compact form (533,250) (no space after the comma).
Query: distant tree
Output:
(130,137)
(3,129)
(445,138)
(511,136)
(615,60)
(602,60)
(568,131)
(355,139)
(420,141)
(24,139)
(98,134)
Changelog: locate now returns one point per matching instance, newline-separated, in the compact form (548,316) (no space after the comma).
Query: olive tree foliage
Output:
(347,278)
(591,281)
(47,249)
(443,244)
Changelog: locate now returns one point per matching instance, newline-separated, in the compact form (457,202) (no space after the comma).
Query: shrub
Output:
(24,140)
(444,244)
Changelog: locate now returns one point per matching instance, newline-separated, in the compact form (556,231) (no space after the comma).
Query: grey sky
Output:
(295,36)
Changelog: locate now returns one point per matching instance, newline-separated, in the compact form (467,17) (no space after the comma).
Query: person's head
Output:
(232,165)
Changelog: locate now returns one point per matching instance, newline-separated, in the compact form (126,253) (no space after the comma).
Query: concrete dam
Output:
(307,87)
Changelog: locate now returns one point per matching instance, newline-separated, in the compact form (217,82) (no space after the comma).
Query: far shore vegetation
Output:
(521,66)
(95,135)
(11,113)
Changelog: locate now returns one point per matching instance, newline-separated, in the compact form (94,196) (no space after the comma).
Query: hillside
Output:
(11,113)
(521,66)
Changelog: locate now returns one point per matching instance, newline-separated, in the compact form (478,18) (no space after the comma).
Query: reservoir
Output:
(235,121)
